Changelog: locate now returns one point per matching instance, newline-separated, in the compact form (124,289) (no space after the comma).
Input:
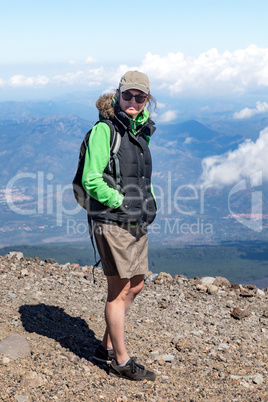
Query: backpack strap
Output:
(115,140)
(91,234)
(114,150)
(115,143)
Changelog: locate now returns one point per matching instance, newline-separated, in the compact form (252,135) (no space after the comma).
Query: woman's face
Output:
(131,107)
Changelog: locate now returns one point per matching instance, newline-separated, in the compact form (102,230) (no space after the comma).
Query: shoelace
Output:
(136,368)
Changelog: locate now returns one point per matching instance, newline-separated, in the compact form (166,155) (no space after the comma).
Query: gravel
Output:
(203,345)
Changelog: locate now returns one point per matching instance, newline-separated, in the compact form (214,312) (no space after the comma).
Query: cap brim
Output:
(140,87)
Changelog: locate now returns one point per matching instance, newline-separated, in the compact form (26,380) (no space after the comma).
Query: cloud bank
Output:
(246,113)
(211,73)
(227,169)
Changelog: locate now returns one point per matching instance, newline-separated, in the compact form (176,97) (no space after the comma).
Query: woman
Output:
(121,216)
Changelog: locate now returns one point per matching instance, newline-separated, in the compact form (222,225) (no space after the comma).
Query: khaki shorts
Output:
(123,249)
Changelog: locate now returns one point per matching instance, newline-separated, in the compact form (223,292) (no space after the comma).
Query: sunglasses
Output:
(127,96)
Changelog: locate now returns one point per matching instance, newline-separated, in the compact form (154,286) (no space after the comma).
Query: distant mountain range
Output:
(50,144)
(39,157)
(197,140)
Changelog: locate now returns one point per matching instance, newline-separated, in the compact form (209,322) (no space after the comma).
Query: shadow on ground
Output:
(72,333)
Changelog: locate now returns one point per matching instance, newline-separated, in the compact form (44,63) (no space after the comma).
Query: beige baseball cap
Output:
(134,80)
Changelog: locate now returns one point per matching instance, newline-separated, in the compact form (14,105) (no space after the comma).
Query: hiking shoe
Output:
(131,371)
(102,355)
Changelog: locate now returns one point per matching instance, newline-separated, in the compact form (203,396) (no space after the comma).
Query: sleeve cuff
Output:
(118,201)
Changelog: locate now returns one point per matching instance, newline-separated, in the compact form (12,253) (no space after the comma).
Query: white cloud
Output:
(209,74)
(68,78)
(189,140)
(246,113)
(90,60)
(22,81)
(227,169)
(160,105)
(167,117)
(89,78)
(1,82)
(203,109)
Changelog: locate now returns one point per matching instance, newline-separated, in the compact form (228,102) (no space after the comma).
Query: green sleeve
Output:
(96,160)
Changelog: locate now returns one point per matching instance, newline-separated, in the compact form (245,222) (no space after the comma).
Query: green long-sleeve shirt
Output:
(96,160)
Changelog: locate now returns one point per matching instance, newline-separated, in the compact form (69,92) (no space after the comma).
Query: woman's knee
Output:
(136,284)
(117,288)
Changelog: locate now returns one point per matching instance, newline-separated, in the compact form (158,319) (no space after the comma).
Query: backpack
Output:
(81,196)
(112,169)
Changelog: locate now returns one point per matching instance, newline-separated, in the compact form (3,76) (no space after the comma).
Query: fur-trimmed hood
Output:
(109,109)
(105,105)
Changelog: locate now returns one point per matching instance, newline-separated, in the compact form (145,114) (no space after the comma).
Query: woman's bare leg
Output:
(121,293)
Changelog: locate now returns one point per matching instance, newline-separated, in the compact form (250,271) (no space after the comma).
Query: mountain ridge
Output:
(43,151)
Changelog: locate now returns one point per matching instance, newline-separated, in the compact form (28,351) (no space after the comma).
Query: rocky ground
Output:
(205,339)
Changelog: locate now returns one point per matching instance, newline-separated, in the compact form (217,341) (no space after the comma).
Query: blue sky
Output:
(187,47)
(123,32)
(207,50)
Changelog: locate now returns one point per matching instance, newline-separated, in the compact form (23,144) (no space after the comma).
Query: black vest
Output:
(135,163)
